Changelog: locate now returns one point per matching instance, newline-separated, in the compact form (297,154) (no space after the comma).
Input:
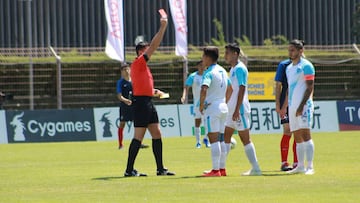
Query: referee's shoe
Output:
(133,173)
(164,172)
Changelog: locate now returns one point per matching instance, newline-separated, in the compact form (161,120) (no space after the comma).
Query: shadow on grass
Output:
(115,177)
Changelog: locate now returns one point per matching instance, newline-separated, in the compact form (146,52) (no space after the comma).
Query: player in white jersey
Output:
(238,104)
(194,81)
(212,104)
(300,75)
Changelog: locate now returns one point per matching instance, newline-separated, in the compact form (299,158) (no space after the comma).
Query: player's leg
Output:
(228,132)
(213,127)
(309,151)
(284,145)
(141,120)
(197,132)
(250,152)
(157,147)
(120,134)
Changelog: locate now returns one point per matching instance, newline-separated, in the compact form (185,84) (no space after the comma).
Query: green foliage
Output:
(220,41)
(276,40)
(243,41)
(356,22)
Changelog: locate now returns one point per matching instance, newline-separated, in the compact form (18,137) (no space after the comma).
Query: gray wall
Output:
(81,23)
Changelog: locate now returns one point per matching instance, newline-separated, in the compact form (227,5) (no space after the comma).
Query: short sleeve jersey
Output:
(281,77)
(239,77)
(216,78)
(194,81)
(142,79)
(297,75)
(124,88)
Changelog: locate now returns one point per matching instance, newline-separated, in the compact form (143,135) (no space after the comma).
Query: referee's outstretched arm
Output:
(155,42)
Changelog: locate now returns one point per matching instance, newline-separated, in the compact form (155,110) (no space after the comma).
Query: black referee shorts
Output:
(126,113)
(144,111)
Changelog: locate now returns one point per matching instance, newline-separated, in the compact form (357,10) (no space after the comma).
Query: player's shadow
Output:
(110,178)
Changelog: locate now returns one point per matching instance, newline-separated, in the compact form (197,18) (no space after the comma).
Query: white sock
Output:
(215,155)
(251,155)
(223,155)
(300,151)
(228,148)
(309,149)
(197,134)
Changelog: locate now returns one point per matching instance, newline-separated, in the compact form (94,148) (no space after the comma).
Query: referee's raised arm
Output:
(155,42)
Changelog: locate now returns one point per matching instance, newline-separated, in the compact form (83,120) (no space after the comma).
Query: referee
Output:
(145,115)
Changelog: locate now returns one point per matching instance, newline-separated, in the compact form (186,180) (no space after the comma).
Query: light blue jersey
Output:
(194,81)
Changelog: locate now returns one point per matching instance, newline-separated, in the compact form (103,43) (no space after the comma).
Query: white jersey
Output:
(297,76)
(194,81)
(239,77)
(215,77)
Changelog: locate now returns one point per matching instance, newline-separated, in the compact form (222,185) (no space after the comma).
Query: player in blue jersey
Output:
(280,94)
(194,81)
(301,75)
(124,95)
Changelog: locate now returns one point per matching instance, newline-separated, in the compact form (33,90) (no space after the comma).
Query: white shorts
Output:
(301,122)
(215,122)
(240,125)
(195,112)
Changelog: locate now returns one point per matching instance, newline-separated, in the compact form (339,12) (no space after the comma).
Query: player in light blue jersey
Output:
(238,104)
(215,83)
(194,81)
(300,75)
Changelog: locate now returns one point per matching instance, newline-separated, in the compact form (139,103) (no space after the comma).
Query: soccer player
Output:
(214,85)
(194,81)
(280,94)
(124,94)
(145,114)
(238,104)
(300,75)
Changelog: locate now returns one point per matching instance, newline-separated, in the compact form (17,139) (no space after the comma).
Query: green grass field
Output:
(92,172)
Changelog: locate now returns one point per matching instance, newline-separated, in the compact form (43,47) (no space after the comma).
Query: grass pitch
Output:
(92,172)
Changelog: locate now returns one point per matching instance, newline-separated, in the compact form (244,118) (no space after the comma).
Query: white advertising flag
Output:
(178,12)
(115,22)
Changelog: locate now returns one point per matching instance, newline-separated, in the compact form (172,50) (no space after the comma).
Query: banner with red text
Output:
(115,37)
(178,12)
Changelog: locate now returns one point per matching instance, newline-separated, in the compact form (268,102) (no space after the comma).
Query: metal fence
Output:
(81,23)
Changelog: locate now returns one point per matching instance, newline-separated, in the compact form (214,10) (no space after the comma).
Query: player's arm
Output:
(307,94)
(155,42)
(185,94)
(240,98)
(278,89)
(123,99)
(203,93)
(229,91)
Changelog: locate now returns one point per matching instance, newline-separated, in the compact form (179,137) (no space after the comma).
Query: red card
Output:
(162,13)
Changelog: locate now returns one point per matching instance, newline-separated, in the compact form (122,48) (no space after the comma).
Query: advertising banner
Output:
(261,86)
(349,115)
(50,125)
(107,122)
(3,129)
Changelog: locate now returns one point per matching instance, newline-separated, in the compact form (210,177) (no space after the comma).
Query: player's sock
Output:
(157,150)
(251,155)
(133,151)
(284,148)
(309,149)
(197,134)
(228,148)
(294,152)
(215,155)
(120,136)
(300,151)
(223,155)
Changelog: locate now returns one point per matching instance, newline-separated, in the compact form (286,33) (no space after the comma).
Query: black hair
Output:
(297,43)
(140,46)
(212,52)
(233,47)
